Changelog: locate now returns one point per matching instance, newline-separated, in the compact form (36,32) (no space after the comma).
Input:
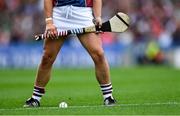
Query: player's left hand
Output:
(98,21)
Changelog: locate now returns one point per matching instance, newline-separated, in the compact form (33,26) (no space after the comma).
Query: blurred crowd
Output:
(151,20)
(20,19)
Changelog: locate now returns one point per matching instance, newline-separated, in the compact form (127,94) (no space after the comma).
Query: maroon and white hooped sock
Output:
(106,90)
(38,92)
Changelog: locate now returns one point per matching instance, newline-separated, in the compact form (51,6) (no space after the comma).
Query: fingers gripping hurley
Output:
(118,23)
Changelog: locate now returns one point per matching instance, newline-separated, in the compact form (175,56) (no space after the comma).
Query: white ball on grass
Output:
(63,105)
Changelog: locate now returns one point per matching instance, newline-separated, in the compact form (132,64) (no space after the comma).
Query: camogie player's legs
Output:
(93,44)
(51,49)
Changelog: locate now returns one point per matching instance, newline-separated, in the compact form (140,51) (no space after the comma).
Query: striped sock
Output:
(106,90)
(38,92)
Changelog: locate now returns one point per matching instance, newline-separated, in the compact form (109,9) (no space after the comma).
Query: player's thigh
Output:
(51,47)
(92,43)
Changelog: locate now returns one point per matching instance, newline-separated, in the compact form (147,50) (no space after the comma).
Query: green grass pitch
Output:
(140,90)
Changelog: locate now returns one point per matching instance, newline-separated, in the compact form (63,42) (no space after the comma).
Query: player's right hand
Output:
(51,31)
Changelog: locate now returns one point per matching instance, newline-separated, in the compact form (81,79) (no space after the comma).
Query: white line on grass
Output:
(93,106)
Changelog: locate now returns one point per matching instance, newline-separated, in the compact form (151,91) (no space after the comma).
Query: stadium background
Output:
(153,37)
(150,49)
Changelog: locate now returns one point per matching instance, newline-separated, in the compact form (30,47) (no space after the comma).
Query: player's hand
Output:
(51,31)
(98,21)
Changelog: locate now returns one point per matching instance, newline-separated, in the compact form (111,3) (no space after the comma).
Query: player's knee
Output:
(98,56)
(47,60)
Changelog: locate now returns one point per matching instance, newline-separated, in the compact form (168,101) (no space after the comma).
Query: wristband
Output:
(48,19)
